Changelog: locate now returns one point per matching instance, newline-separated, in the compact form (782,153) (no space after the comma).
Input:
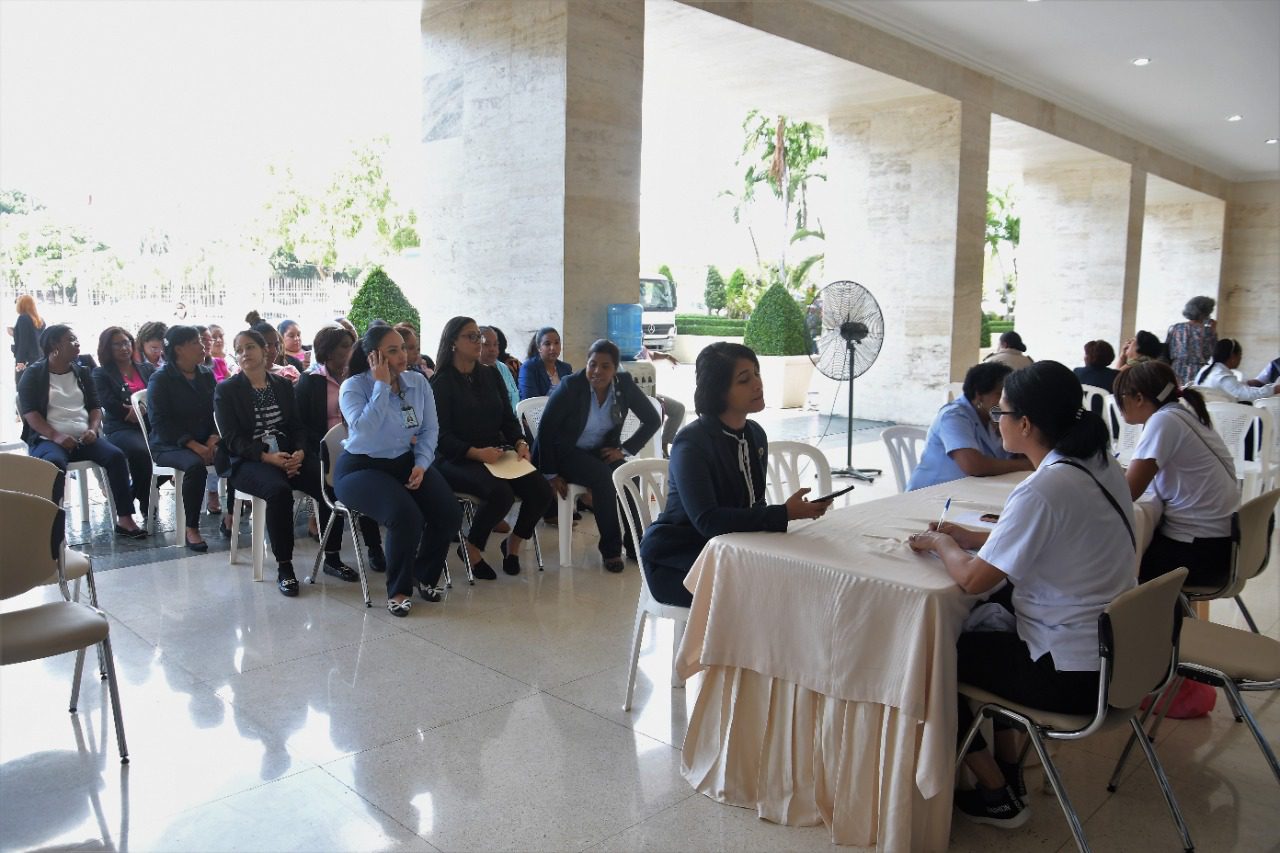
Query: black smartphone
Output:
(832,496)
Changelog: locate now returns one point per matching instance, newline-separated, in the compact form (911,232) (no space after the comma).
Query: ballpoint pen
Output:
(943,517)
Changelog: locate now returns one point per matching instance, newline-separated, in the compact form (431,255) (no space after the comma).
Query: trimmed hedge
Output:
(776,326)
(700,324)
(380,298)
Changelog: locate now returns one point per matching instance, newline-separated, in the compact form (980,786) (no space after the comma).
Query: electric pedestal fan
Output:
(847,344)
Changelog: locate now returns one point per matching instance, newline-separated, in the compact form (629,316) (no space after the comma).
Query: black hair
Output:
(372,339)
(713,372)
(608,347)
(50,337)
(502,342)
(208,359)
(265,329)
(106,354)
(1049,395)
(1012,340)
(448,337)
(327,341)
(152,331)
(1157,382)
(536,341)
(176,337)
(284,326)
(1098,353)
(1223,351)
(984,378)
(1198,308)
(1148,344)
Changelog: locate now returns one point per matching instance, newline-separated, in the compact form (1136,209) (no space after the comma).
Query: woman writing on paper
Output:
(1065,540)
(477,426)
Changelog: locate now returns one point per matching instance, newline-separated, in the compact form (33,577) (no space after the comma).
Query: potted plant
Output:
(776,331)
(380,298)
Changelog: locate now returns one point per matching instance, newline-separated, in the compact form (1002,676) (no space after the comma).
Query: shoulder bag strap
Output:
(1192,423)
(1110,499)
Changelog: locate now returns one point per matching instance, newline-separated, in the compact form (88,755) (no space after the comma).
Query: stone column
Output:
(531,133)
(1073,256)
(1249,308)
(898,170)
(1181,253)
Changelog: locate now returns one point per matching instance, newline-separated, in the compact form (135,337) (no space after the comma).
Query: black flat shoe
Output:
(378,563)
(340,570)
(198,547)
(135,533)
(614,565)
(429,593)
(224,531)
(479,568)
(510,562)
(288,587)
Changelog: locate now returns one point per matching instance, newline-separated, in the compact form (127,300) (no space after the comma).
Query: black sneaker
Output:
(1014,779)
(995,808)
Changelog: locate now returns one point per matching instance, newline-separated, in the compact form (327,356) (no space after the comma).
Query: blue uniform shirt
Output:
(599,421)
(957,427)
(383,425)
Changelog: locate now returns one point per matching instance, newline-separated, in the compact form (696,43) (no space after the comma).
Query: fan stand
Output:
(866,475)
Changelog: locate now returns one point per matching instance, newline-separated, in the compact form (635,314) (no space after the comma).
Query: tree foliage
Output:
(714,294)
(381,298)
(1004,228)
(776,326)
(741,294)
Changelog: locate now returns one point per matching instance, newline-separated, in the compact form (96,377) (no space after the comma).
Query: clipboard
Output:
(510,466)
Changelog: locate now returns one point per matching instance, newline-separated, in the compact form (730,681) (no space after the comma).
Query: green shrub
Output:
(379,297)
(665,272)
(716,327)
(714,294)
(776,326)
(984,338)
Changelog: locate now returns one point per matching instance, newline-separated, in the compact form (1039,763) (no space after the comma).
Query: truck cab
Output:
(658,299)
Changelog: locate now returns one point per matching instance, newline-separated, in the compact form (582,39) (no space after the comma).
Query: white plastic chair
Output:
(652,474)
(1272,405)
(151,523)
(1242,429)
(80,470)
(1095,400)
(905,445)
(792,466)
(330,449)
(1212,395)
(955,390)
(1124,436)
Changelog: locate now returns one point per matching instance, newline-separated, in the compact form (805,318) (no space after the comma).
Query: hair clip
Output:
(1164,393)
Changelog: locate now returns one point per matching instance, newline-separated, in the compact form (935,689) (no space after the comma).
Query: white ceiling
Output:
(1209,59)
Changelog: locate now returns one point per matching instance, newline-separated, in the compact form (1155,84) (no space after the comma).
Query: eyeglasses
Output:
(122,344)
(474,337)
(997,413)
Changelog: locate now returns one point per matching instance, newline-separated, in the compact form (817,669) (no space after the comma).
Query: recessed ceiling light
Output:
(1141,61)
(1235,117)
(1272,141)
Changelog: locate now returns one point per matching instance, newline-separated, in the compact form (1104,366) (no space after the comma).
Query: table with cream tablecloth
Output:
(829,686)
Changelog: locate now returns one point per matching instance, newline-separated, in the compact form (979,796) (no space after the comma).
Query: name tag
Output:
(410,416)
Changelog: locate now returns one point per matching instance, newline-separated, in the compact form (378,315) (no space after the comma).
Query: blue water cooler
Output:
(625,324)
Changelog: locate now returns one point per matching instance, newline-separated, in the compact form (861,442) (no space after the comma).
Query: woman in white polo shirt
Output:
(1065,540)
(1183,463)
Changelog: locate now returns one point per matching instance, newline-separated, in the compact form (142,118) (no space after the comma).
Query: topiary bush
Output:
(776,326)
(380,298)
(714,294)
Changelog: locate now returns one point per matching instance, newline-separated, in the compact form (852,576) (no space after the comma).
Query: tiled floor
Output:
(489,721)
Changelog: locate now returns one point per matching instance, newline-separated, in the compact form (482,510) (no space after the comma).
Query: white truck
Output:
(658,298)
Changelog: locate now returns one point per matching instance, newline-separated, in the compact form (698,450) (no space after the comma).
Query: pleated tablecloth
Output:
(828,652)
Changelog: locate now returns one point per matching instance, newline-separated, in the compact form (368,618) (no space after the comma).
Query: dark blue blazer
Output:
(114,394)
(708,494)
(33,393)
(179,410)
(565,417)
(534,381)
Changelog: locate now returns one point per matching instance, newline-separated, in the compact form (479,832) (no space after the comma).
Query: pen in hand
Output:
(943,517)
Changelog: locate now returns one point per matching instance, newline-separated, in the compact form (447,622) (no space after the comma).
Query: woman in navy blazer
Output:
(116,379)
(717,477)
(543,369)
(579,437)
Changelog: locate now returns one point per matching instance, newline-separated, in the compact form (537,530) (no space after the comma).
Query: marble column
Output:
(1181,255)
(910,177)
(531,134)
(1249,308)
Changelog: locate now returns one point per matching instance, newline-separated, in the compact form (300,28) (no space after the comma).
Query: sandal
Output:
(399,608)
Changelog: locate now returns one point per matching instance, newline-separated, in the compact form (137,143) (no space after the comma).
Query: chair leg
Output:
(1163,781)
(1231,690)
(1248,617)
(537,551)
(1051,772)
(106,492)
(75,681)
(676,638)
(152,520)
(362,559)
(235,529)
(84,496)
(93,599)
(1160,704)
(114,689)
(468,514)
(180,512)
(564,510)
(259,541)
(324,537)
(637,635)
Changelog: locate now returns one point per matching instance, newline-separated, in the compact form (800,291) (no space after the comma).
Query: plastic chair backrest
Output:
(1095,399)
(632,423)
(1212,395)
(1138,632)
(905,444)
(31,529)
(653,477)
(529,413)
(1241,428)
(139,401)
(792,465)
(1254,548)
(331,449)
(1272,405)
(955,390)
(28,475)
(1124,436)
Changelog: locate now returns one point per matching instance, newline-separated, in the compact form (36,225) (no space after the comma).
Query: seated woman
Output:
(219,369)
(317,393)
(150,343)
(1183,463)
(277,361)
(386,471)
(1011,351)
(477,425)
(543,369)
(180,409)
(263,449)
(291,343)
(579,437)
(718,474)
(1227,354)
(1097,370)
(218,353)
(491,356)
(413,349)
(1065,540)
(962,440)
(116,380)
(62,421)
(1142,347)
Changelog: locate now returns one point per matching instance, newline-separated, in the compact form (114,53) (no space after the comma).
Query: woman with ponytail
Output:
(1183,463)
(386,471)
(1227,354)
(1065,539)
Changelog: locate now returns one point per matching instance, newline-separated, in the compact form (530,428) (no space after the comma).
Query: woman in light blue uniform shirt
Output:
(385,471)
(962,441)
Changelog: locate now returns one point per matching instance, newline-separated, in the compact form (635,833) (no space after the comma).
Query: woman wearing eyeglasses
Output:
(116,379)
(962,441)
(542,370)
(477,426)
(1065,540)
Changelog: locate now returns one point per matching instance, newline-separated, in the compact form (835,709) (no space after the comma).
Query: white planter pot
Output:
(786,380)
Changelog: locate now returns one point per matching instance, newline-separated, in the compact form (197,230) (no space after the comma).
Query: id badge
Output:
(410,417)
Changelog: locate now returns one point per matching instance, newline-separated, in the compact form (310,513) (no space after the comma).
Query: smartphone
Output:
(832,496)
